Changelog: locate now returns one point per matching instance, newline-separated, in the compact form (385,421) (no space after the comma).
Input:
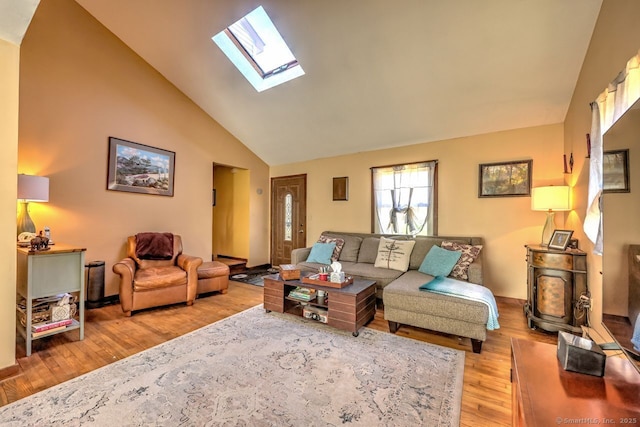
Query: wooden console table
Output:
(349,308)
(58,270)
(544,394)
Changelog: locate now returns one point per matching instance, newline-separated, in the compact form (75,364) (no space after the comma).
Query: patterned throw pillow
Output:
(339,244)
(394,254)
(469,254)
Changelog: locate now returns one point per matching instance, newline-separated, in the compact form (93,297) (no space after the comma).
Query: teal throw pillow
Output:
(439,262)
(321,253)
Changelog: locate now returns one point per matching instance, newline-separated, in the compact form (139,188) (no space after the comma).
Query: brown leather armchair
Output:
(156,272)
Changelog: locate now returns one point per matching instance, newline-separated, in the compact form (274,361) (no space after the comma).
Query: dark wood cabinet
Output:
(557,294)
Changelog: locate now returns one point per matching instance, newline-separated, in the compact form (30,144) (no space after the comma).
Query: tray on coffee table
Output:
(314,280)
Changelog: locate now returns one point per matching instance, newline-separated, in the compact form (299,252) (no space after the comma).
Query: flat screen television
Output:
(621,233)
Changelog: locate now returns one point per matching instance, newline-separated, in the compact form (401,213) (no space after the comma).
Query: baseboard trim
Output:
(511,300)
(9,371)
(108,300)
(259,267)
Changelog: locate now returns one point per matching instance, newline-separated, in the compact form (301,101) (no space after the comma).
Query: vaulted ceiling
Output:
(378,73)
(15,17)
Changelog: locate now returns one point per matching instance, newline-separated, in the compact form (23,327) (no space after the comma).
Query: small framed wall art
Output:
(341,188)
(505,179)
(139,168)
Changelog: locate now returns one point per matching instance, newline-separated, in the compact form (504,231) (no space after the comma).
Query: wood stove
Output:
(557,294)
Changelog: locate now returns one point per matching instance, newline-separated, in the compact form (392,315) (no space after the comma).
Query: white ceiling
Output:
(15,17)
(378,73)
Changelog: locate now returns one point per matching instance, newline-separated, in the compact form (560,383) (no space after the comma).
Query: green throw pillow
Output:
(321,253)
(439,262)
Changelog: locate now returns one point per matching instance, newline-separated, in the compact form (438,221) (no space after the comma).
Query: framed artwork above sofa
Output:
(505,179)
(139,168)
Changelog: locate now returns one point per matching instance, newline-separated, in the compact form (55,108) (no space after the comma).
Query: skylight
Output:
(256,48)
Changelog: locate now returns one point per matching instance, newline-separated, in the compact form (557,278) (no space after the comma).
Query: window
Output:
(288,217)
(404,199)
(256,48)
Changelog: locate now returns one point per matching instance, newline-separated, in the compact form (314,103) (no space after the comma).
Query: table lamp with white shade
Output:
(31,188)
(551,199)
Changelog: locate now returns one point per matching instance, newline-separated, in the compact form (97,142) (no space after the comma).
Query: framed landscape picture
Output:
(615,171)
(139,168)
(505,179)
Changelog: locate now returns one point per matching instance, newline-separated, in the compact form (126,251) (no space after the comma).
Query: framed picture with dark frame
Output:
(615,171)
(139,168)
(341,188)
(505,179)
(560,239)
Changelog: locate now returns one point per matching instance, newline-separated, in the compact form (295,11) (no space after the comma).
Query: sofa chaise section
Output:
(406,304)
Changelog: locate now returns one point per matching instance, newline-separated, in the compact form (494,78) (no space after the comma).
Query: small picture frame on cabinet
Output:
(560,239)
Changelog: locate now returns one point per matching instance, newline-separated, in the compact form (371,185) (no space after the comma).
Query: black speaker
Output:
(580,355)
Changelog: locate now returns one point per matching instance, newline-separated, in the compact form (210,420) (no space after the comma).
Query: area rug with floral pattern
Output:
(261,369)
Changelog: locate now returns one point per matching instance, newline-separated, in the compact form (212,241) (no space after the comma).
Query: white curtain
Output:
(621,94)
(593,219)
(403,198)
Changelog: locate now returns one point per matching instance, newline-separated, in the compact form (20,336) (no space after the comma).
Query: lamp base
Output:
(549,227)
(25,224)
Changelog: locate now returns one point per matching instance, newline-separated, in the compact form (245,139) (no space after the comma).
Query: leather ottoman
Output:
(213,276)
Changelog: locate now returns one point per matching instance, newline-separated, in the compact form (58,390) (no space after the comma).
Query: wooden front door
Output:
(288,217)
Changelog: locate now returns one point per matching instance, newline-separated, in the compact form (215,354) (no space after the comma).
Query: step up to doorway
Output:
(236,265)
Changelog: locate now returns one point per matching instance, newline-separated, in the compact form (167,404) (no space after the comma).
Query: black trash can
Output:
(95,284)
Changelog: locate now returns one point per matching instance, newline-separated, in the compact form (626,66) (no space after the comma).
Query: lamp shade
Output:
(33,188)
(553,197)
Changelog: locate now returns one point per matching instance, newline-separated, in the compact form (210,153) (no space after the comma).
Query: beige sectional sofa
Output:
(404,302)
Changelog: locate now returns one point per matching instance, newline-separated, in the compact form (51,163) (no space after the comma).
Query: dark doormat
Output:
(253,276)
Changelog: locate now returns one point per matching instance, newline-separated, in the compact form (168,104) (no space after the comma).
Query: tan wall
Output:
(9,83)
(506,223)
(615,40)
(241,196)
(231,213)
(80,85)
(223,212)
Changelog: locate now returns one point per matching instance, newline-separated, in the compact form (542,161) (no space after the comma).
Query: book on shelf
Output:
(303,294)
(48,331)
(47,326)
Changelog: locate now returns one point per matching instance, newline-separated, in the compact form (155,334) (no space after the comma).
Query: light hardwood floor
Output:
(110,336)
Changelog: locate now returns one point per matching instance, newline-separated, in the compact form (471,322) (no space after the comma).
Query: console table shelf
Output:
(42,274)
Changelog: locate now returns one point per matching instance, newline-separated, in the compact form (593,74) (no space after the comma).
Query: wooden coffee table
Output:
(349,308)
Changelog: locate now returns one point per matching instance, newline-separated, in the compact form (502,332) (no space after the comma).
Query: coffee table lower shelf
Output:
(349,308)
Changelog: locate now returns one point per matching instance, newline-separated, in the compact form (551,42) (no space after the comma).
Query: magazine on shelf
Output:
(303,294)
(46,326)
(48,331)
